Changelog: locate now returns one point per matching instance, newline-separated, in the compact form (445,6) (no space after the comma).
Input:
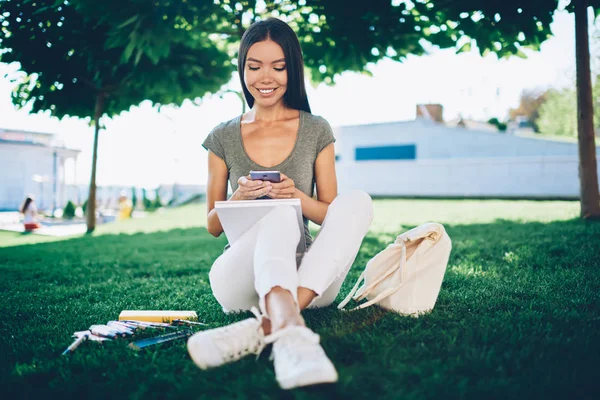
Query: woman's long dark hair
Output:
(279,32)
(26,204)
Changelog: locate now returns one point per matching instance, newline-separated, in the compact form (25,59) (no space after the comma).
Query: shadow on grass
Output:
(517,316)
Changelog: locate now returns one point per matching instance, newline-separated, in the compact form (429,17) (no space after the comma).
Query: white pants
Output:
(265,256)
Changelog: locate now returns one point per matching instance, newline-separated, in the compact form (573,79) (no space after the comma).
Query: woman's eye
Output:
(253,68)
(279,69)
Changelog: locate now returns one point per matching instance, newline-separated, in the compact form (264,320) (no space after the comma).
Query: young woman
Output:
(29,211)
(262,268)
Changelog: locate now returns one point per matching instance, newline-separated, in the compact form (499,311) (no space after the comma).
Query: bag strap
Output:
(364,291)
(347,299)
(386,293)
(400,265)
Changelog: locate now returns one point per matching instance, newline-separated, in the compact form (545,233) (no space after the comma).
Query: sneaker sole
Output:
(308,378)
(199,349)
(203,351)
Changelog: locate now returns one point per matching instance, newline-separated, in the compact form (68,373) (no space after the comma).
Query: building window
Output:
(406,152)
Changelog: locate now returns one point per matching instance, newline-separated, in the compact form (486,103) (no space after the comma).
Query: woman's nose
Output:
(266,75)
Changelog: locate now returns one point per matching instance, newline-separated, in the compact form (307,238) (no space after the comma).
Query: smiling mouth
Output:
(265,91)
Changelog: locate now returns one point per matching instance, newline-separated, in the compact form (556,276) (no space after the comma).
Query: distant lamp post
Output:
(41,179)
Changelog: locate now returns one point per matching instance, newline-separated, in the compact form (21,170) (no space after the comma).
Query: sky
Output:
(146,148)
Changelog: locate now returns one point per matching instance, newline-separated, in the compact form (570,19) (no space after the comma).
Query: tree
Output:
(557,108)
(69,210)
(93,59)
(588,174)
(558,114)
(157,203)
(146,202)
(500,125)
(529,106)
(134,199)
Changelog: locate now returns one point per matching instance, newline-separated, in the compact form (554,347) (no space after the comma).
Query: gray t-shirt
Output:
(314,134)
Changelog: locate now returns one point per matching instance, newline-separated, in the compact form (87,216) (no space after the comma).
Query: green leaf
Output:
(520,54)
(138,56)
(40,10)
(128,51)
(128,21)
(465,47)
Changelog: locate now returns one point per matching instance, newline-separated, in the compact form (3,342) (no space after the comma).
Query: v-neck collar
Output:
(241,142)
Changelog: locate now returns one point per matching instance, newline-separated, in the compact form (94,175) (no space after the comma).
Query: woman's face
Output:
(265,74)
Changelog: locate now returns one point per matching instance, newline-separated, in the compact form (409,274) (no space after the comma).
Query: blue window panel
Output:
(406,152)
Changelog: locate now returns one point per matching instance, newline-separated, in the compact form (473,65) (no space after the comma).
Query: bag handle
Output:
(347,299)
(386,293)
(368,289)
(430,230)
(364,291)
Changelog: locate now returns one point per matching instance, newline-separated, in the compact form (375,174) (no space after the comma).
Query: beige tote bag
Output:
(406,277)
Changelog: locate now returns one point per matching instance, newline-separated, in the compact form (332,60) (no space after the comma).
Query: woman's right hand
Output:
(251,189)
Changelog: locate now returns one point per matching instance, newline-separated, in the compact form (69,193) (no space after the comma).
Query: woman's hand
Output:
(286,189)
(251,189)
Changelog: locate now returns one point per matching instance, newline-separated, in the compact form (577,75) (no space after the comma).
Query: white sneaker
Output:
(219,346)
(299,359)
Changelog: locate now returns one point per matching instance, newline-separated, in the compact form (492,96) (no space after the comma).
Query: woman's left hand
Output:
(286,189)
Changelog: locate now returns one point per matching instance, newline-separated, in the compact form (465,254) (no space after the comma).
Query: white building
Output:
(423,158)
(31,163)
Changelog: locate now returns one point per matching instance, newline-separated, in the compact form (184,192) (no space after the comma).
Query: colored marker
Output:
(186,322)
(120,328)
(90,336)
(131,325)
(140,344)
(104,331)
(74,345)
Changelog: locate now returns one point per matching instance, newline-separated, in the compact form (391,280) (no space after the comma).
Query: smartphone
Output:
(271,176)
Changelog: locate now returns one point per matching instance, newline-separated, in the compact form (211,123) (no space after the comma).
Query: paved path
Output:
(9,221)
(58,230)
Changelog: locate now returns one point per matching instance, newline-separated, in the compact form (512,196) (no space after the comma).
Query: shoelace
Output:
(230,340)
(300,339)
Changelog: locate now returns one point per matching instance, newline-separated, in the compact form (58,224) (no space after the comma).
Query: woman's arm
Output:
(216,190)
(326,180)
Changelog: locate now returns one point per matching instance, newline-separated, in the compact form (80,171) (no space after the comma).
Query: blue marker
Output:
(74,345)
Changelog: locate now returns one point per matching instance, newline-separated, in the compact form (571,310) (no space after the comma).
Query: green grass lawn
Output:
(518,314)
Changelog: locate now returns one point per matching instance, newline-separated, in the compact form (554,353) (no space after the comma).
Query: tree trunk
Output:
(91,204)
(588,174)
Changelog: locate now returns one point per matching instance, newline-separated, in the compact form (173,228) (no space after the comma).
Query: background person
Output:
(29,211)
(125,207)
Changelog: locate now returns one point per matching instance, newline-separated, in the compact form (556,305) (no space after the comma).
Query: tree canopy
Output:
(171,51)
(70,51)
(84,57)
